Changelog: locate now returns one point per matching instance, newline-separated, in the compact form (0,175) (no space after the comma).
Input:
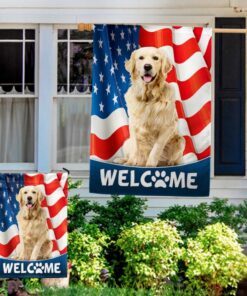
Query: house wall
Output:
(190,12)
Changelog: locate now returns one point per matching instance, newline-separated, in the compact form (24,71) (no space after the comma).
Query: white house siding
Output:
(190,12)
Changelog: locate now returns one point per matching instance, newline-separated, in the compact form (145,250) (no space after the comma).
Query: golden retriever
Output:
(33,230)
(154,139)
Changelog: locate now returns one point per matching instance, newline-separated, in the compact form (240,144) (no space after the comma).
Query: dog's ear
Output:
(166,64)
(19,196)
(130,64)
(40,196)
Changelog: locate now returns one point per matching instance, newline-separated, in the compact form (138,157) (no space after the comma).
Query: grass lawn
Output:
(79,290)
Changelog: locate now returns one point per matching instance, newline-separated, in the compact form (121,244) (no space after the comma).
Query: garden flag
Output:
(151,111)
(33,225)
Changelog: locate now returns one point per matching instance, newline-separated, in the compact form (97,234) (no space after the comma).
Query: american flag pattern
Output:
(189,50)
(55,189)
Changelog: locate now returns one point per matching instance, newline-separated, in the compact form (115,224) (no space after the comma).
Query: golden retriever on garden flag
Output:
(151,110)
(33,225)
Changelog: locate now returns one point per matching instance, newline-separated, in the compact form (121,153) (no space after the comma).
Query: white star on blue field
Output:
(10,184)
(113,45)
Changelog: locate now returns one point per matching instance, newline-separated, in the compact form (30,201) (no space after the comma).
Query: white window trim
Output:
(46,84)
(22,166)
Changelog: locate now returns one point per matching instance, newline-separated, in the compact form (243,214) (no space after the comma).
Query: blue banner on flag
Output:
(184,180)
(51,268)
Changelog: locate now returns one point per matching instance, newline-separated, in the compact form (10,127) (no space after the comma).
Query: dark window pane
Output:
(81,55)
(62,34)
(29,67)
(16,130)
(11,66)
(62,67)
(82,35)
(30,34)
(11,34)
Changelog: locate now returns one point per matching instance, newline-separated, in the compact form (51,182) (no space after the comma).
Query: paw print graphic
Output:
(38,268)
(159,179)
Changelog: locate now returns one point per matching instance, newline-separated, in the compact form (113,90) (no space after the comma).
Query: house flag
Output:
(151,110)
(33,225)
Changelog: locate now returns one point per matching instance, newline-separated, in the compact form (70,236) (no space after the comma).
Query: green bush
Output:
(119,212)
(151,253)
(86,253)
(77,210)
(77,207)
(33,285)
(215,260)
(112,218)
(221,211)
(190,219)
(243,214)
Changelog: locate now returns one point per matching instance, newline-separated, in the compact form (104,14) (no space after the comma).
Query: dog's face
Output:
(148,64)
(29,197)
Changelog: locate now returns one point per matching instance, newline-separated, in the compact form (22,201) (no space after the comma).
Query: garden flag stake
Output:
(136,149)
(32,206)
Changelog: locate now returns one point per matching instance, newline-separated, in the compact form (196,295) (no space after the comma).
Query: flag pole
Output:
(89,27)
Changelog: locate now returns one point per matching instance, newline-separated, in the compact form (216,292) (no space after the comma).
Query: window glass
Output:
(73,125)
(17,103)
(29,67)
(80,67)
(74,86)
(81,35)
(9,34)
(17,70)
(11,66)
(62,34)
(30,34)
(62,68)
(16,130)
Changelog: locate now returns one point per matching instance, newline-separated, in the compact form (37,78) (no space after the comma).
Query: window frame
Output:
(82,166)
(23,166)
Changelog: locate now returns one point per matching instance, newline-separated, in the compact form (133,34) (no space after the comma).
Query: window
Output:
(17,95)
(73,98)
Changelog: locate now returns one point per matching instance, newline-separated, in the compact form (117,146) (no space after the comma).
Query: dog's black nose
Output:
(29,198)
(147,67)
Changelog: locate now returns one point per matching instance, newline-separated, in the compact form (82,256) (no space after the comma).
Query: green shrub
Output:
(215,260)
(151,252)
(77,207)
(77,210)
(190,219)
(74,184)
(3,287)
(243,214)
(33,285)
(86,253)
(223,212)
(119,212)
(112,218)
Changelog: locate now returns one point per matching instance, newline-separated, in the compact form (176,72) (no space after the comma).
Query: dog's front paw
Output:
(151,163)
(120,160)
(131,162)
(21,258)
(34,257)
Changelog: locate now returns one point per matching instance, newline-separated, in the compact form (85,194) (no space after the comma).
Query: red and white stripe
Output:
(190,53)
(55,189)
